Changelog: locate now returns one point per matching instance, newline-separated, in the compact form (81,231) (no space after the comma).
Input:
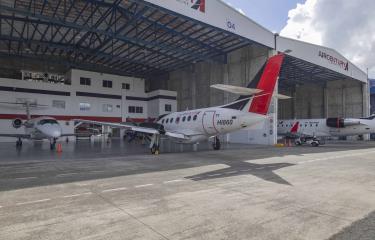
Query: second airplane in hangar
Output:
(201,124)
(311,130)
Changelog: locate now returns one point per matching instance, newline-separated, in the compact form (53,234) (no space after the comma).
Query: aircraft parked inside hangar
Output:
(38,128)
(201,124)
(303,130)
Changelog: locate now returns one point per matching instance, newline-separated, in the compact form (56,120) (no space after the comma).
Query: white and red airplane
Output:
(311,130)
(201,124)
(38,128)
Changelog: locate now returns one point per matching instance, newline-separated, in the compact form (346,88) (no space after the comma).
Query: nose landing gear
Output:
(53,144)
(19,143)
(216,144)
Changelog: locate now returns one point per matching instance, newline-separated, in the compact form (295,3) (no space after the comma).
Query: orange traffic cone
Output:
(59,148)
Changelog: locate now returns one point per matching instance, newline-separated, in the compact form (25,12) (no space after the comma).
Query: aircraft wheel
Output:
(155,150)
(315,144)
(216,145)
(53,146)
(19,143)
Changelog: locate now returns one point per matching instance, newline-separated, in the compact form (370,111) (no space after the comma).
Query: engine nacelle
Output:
(17,123)
(341,122)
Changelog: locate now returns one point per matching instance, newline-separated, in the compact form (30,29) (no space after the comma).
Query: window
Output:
(171,120)
(107,108)
(162,121)
(195,117)
(58,104)
(47,121)
(84,106)
(167,120)
(177,120)
(139,109)
(168,107)
(131,109)
(85,81)
(189,118)
(107,83)
(183,119)
(126,86)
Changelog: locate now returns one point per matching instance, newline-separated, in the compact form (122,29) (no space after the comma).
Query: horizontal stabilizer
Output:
(282,97)
(237,90)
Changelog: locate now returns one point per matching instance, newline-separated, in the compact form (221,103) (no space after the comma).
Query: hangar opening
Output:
(160,56)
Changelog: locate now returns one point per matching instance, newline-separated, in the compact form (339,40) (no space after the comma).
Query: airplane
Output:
(310,130)
(194,126)
(38,128)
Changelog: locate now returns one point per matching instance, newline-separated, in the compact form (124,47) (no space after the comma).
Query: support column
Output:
(366,104)
(325,101)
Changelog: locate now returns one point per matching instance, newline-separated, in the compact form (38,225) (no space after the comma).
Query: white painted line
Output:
(77,195)
(114,189)
(98,171)
(31,202)
(246,170)
(25,178)
(213,175)
(66,174)
(174,181)
(259,168)
(230,172)
(142,186)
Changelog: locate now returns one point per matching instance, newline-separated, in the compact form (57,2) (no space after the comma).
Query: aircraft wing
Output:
(15,135)
(121,125)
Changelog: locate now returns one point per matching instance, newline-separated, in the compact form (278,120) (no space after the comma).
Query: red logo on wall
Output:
(199,5)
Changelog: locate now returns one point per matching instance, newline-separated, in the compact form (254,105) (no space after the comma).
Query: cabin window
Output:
(162,121)
(177,120)
(195,117)
(171,120)
(167,120)
(189,118)
(183,119)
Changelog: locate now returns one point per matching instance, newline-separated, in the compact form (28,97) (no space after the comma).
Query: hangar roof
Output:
(128,37)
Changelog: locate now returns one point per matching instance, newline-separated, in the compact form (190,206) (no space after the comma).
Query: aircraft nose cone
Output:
(51,131)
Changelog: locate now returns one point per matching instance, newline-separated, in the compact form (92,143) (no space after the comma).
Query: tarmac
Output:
(118,190)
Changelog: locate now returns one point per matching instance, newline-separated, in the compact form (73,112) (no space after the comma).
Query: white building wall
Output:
(10,91)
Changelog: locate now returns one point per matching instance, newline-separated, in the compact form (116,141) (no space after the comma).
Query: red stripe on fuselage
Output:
(262,100)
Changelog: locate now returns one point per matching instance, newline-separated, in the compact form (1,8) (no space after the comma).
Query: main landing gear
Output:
(52,144)
(155,144)
(19,143)
(216,144)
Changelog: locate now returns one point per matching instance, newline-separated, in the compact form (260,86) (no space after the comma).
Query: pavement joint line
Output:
(66,174)
(25,178)
(213,175)
(114,189)
(174,181)
(144,185)
(77,195)
(31,202)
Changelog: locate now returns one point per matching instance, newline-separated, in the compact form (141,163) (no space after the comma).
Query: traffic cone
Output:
(59,148)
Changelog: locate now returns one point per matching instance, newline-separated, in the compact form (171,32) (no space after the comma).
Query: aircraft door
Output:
(208,122)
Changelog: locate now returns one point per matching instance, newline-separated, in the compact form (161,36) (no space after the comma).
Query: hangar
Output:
(160,56)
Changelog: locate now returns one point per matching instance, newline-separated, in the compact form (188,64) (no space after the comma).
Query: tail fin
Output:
(265,80)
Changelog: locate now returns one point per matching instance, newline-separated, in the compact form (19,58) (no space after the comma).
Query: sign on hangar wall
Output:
(220,15)
(320,56)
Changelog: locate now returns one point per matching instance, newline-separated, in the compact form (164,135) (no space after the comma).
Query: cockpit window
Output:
(47,121)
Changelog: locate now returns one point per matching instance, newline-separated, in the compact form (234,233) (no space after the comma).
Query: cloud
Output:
(344,25)
(240,10)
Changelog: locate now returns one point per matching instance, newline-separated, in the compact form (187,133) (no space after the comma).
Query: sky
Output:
(272,14)
(347,26)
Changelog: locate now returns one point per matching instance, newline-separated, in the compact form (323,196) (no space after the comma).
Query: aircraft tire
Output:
(216,145)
